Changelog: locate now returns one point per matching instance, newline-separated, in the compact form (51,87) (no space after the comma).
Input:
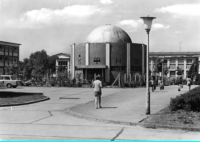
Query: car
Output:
(9,81)
(1,82)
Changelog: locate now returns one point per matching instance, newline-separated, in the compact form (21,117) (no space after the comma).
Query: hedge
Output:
(189,101)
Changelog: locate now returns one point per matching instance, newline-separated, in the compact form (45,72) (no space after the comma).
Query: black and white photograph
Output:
(99,70)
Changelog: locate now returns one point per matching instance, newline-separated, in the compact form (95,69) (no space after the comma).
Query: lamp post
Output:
(147,25)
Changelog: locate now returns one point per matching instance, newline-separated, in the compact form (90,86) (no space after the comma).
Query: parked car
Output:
(9,81)
(1,82)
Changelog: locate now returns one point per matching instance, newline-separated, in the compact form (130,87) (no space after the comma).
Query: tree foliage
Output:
(165,70)
(39,62)
(193,69)
(179,71)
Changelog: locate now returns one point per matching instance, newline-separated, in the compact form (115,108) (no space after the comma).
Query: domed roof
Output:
(108,33)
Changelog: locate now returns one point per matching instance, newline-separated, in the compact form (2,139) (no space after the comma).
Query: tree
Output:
(165,70)
(179,71)
(193,71)
(158,65)
(39,61)
(52,62)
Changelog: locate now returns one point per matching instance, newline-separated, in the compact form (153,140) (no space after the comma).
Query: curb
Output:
(26,103)
(145,125)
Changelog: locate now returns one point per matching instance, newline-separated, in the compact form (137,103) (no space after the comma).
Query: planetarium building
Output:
(108,52)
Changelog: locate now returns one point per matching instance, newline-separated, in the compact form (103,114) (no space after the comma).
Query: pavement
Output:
(70,114)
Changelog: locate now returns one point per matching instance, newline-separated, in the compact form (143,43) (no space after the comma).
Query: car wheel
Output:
(15,86)
(9,86)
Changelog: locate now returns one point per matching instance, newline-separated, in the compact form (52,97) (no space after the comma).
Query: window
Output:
(14,49)
(172,66)
(188,66)
(172,61)
(1,48)
(165,61)
(181,66)
(189,61)
(180,61)
(172,73)
(1,59)
(14,60)
(7,78)
(6,48)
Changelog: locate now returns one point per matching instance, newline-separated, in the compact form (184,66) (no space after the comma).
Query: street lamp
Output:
(147,25)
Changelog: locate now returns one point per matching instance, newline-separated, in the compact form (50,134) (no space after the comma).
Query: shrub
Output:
(189,101)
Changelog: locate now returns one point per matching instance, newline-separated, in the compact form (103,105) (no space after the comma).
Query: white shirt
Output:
(97,86)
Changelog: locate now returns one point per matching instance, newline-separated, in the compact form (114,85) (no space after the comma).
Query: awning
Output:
(91,67)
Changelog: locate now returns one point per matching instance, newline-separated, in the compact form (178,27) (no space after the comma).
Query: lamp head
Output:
(148,22)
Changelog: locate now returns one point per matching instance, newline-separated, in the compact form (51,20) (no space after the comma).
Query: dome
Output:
(108,33)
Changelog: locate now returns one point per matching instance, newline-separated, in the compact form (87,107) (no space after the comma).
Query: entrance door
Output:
(92,73)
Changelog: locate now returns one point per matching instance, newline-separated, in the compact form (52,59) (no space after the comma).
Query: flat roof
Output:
(172,53)
(66,54)
(9,42)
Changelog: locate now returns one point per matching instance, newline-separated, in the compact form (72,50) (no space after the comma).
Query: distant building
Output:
(108,52)
(173,60)
(63,61)
(9,56)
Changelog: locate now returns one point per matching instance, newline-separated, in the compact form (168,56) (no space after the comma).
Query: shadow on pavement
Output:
(108,107)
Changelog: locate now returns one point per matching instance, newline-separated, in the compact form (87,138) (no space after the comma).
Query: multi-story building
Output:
(9,56)
(173,60)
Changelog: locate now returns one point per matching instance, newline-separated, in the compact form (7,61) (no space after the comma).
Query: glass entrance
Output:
(90,74)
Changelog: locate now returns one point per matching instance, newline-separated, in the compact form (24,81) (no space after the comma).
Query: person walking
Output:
(152,84)
(97,85)
(180,83)
(159,83)
(189,83)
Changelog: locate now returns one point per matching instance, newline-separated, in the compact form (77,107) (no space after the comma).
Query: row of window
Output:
(123,68)
(8,48)
(62,63)
(180,61)
(8,59)
(173,73)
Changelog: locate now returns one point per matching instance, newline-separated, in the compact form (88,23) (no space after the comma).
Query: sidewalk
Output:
(128,107)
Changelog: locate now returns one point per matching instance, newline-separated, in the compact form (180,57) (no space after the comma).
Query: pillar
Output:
(107,71)
(198,65)
(73,61)
(128,65)
(68,69)
(87,54)
(152,66)
(143,59)
(185,66)
(168,65)
(176,67)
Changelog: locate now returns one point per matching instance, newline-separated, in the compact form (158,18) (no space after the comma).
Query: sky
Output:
(54,25)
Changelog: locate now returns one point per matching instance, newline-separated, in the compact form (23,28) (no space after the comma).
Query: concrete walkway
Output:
(128,105)
(49,120)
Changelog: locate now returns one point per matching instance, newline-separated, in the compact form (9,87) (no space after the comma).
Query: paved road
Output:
(49,121)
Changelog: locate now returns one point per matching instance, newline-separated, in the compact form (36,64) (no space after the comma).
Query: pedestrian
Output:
(180,83)
(97,85)
(152,84)
(189,82)
(159,83)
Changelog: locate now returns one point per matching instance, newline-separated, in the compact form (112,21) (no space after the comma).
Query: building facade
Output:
(173,60)
(63,61)
(9,56)
(108,52)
